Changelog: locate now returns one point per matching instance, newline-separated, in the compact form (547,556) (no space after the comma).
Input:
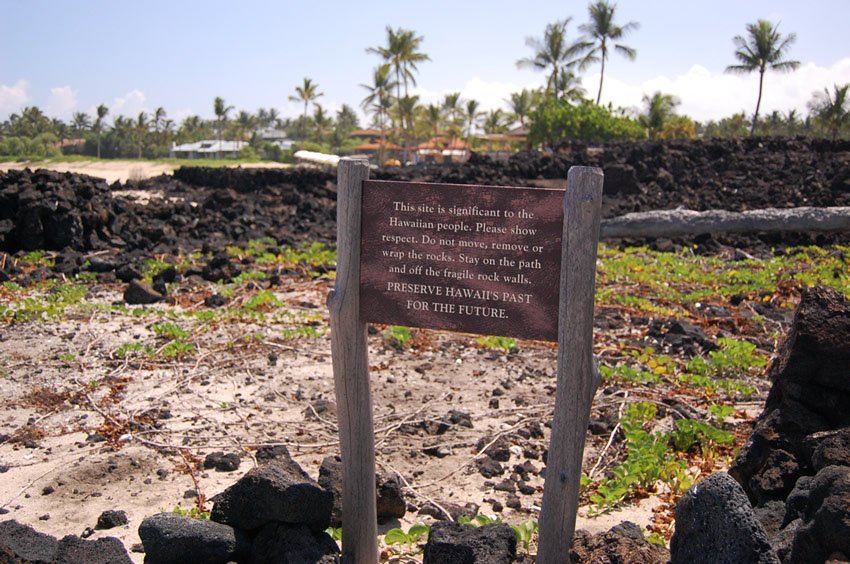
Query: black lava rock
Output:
(169,538)
(109,519)
(715,523)
(279,491)
(459,544)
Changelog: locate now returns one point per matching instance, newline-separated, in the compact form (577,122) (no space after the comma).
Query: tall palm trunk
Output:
(758,105)
(601,77)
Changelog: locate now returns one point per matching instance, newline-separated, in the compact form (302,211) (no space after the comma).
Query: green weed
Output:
(192,513)
(506,345)
(128,350)
(397,335)
(733,358)
(169,330)
(409,538)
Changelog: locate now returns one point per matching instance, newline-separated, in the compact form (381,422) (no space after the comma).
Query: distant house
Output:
(501,146)
(207,149)
(372,148)
(370,134)
(443,150)
(276,136)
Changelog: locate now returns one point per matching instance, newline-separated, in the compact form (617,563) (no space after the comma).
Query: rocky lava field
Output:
(160,338)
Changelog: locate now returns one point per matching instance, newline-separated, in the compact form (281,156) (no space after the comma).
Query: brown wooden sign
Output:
(472,259)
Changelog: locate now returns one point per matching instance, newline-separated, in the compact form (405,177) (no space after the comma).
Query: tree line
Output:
(558,111)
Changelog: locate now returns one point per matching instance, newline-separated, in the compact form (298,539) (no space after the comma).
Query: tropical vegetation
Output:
(400,120)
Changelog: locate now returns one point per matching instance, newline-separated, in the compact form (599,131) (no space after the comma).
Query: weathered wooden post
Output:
(351,375)
(577,375)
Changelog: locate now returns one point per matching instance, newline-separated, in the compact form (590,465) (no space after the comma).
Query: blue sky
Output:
(135,56)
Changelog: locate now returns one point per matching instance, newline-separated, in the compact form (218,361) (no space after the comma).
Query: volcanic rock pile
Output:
(210,208)
(795,467)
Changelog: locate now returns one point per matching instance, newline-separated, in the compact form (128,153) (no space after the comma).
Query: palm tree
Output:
(521,106)
(102,110)
(245,122)
(346,121)
(554,52)
(221,110)
(140,130)
(763,48)
(602,29)
(402,53)
(191,129)
(472,115)
(451,104)
(121,136)
(494,121)
(569,85)
(433,118)
(832,112)
(81,122)
(406,110)
(659,108)
(158,116)
(378,100)
(323,123)
(308,92)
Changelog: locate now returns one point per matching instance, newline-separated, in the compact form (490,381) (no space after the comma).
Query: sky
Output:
(67,57)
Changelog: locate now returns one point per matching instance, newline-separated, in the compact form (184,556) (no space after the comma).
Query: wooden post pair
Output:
(576,385)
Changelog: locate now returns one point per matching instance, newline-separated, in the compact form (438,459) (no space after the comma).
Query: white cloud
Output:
(13,98)
(128,105)
(62,102)
(707,95)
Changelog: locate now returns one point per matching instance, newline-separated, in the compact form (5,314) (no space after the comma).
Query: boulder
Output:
(170,538)
(106,550)
(110,519)
(715,523)
(277,543)
(810,392)
(141,293)
(461,544)
(389,497)
(279,491)
(622,543)
(22,544)
(825,528)
(19,542)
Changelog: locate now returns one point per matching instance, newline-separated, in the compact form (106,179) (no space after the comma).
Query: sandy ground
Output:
(116,170)
(64,388)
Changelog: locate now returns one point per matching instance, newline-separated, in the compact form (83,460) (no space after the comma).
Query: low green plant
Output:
(304,331)
(38,258)
(525,532)
(192,513)
(409,538)
(261,301)
(397,335)
(169,330)
(506,345)
(657,539)
(732,358)
(721,412)
(627,374)
(67,357)
(127,350)
(730,386)
(335,533)
(689,433)
(479,520)
(178,349)
(647,458)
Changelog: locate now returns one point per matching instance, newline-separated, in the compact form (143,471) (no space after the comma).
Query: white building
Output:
(207,149)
